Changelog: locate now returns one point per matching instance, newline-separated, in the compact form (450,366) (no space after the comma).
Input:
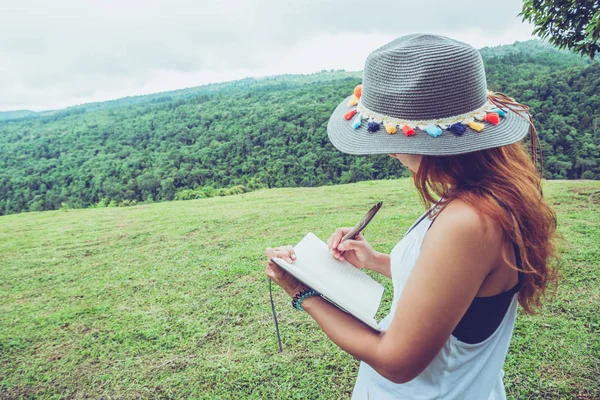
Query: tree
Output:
(571,24)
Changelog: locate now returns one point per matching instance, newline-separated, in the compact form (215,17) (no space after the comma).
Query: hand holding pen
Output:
(349,244)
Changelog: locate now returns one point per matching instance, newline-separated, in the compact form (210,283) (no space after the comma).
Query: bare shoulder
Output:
(461,220)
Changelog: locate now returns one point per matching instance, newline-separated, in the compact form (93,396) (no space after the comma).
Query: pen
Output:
(358,228)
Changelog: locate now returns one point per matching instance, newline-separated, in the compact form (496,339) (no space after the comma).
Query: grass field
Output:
(170,300)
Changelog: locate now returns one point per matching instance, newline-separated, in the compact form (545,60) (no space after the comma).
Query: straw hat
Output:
(425,94)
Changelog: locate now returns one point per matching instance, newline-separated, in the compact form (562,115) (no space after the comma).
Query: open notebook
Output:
(339,282)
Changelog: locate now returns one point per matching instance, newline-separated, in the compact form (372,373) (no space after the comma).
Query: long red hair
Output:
(501,183)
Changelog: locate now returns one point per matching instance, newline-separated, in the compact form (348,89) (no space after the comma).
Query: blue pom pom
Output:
(500,112)
(458,129)
(373,127)
(433,130)
(357,122)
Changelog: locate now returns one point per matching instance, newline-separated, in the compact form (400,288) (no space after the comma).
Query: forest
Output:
(255,133)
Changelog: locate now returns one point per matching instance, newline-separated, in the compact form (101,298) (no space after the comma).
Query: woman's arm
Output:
(381,264)
(459,251)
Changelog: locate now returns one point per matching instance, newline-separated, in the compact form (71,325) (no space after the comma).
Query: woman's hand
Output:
(357,252)
(281,277)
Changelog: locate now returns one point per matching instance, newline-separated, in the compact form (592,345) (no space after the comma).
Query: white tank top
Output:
(460,370)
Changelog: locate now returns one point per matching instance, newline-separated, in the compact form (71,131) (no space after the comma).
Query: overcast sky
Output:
(59,53)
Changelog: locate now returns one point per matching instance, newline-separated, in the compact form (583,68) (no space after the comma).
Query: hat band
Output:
(444,123)
(488,112)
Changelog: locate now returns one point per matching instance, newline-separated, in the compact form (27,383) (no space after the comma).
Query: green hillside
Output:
(266,132)
(4,115)
(170,300)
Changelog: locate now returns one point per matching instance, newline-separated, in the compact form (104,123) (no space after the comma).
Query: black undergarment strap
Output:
(275,315)
(425,215)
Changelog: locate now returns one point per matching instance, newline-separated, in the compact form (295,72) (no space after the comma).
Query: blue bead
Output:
(458,129)
(433,130)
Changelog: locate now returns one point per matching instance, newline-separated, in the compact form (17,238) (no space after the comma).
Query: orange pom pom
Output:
(408,131)
(493,118)
(358,91)
(350,114)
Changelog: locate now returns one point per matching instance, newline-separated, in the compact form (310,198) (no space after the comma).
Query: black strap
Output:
(274,314)
(425,215)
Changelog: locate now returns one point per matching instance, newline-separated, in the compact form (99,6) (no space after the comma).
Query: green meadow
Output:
(170,300)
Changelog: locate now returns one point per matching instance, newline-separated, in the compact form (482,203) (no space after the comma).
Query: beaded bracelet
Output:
(301,296)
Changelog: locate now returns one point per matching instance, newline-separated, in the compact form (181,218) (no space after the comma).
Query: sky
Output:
(60,53)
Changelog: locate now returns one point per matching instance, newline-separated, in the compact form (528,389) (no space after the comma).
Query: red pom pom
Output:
(408,131)
(493,118)
(350,114)
(358,91)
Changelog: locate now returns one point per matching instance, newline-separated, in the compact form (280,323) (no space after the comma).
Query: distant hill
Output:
(539,50)
(266,132)
(169,96)
(4,115)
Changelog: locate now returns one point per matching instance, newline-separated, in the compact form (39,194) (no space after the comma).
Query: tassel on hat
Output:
(350,114)
(478,126)
(493,118)
(457,129)
(358,91)
(499,111)
(408,131)
(390,128)
(373,127)
(433,130)
(357,122)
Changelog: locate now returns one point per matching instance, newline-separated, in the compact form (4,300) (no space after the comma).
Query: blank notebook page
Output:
(345,282)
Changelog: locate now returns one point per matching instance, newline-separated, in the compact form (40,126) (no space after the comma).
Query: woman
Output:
(482,247)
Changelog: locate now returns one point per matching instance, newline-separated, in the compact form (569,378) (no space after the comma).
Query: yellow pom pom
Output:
(390,128)
(353,101)
(476,126)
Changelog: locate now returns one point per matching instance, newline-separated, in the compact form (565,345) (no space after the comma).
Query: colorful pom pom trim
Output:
(434,128)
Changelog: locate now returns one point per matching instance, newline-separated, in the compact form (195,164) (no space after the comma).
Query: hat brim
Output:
(511,129)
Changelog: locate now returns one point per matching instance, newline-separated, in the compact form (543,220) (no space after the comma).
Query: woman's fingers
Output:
(338,255)
(336,237)
(285,252)
(270,253)
(269,270)
(290,251)
(351,245)
(334,241)
(274,272)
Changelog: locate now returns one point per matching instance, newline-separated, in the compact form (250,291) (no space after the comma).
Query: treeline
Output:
(260,133)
